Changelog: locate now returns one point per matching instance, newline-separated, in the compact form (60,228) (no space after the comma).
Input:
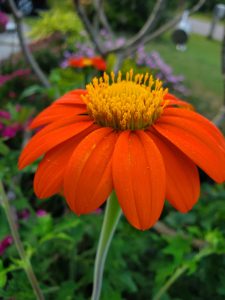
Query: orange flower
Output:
(97,62)
(128,135)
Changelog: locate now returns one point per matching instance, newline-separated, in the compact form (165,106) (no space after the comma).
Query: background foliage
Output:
(62,246)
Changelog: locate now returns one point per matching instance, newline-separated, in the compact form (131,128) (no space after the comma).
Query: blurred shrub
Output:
(58,20)
(47,57)
(130,15)
(208,5)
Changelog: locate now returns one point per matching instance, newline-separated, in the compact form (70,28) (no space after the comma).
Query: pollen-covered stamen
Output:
(133,103)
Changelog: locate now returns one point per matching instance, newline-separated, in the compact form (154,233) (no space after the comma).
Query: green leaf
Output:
(177,247)
(3,148)
(53,236)
(19,288)
(3,277)
(66,291)
(128,281)
(67,223)
(31,90)
(109,292)
(44,225)
(163,272)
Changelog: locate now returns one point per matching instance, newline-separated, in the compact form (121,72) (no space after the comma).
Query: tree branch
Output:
(147,26)
(219,118)
(196,7)
(88,26)
(98,4)
(169,25)
(161,228)
(17,15)
(147,38)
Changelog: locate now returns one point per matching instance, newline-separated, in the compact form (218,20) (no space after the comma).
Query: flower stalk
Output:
(26,261)
(170,282)
(111,218)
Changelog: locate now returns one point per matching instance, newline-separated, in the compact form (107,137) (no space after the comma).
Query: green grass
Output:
(205,17)
(200,64)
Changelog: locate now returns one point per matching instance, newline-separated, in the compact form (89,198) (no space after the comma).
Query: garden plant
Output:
(98,125)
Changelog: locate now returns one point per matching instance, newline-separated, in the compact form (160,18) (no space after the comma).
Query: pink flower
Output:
(24,214)
(98,211)
(3,21)
(17,73)
(5,243)
(41,213)
(4,114)
(11,130)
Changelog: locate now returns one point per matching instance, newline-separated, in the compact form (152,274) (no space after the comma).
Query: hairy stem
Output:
(170,281)
(111,218)
(17,15)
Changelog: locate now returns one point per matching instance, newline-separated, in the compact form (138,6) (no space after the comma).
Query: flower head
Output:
(82,62)
(129,135)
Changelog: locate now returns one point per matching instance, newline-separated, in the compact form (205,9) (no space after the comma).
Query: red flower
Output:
(97,62)
(127,135)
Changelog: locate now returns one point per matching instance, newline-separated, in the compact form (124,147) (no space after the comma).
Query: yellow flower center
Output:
(131,103)
(87,62)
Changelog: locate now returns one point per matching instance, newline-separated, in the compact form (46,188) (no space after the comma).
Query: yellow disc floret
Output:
(130,103)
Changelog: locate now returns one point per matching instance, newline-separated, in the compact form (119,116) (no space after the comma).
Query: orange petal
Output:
(49,137)
(198,138)
(139,178)
(72,97)
(173,101)
(200,120)
(48,178)
(88,178)
(182,179)
(55,112)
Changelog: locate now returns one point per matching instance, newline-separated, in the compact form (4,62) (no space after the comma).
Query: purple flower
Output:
(64,64)
(161,70)
(119,42)
(67,54)
(104,33)
(5,243)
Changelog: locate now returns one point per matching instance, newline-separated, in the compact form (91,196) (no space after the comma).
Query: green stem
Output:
(13,227)
(169,282)
(111,218)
